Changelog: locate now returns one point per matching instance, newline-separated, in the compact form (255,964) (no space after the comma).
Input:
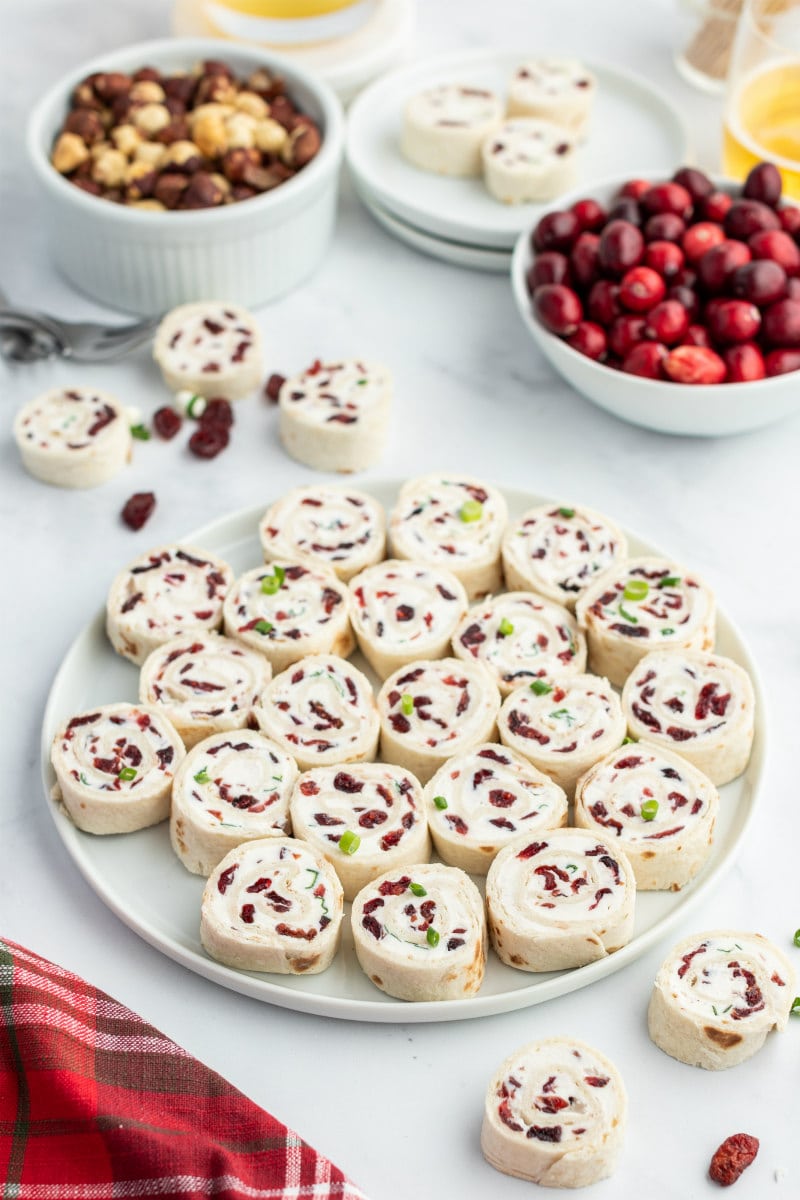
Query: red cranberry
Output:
(621,247)
(591,215)
(558,308)
(272,388)
(716,206)
(793,288)
(667,323)
(694,364)
(641,288)
(732,321)
(626,209)
(746,217)
(764,183)
(687,297)
(603,303)
(779,246)
(685,278)
(217,412)
(635,188)
(789,217)
(664,227)
(782,361)
(646,360)
(745,363)
(781,323)
(625,333)
(550,267)
(761,282)
(138,509)
(589,339)
(167,422)
(697,335)
(664,257)
(701,237)
(718,263)
(556,231)
(696,183)
(208,440)
(583,259)
(667,198)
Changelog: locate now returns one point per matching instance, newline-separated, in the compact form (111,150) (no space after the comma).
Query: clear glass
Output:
(708,28)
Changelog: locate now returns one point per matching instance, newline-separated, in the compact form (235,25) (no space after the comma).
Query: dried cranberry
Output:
(701,237)
(621,247)
(167,422)
(583,259)
(732,321)
(556,231)
(777,245)
(732,1157)
(745,363)
(549,267)
(138,509)
(603,302)
(761,282)
(272,388)
(646,360)
(641,288)
(591,215)
(589,339)
(208,440)
(558,308)
(694,365)
(664,227)
(781,323)
(696,183)
(664,257)
(668,322)
(764,183)
(718,263)
(217,411)
(746,217)
(667,198)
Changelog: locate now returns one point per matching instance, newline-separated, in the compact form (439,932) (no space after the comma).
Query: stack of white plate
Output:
(634,129)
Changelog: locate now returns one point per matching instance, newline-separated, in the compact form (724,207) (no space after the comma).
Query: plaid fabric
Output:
(97,1105)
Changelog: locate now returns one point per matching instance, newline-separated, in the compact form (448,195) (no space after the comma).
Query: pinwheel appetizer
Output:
(641,605)
(562,899)
(168,591)
(73,437)
(114,767)
(321,711)
(272,905)
(420,934)
(401,611)
(230,788)
(700,705)
(481,799)
(204,683)
(556,89)
(451,521)
(342,530)
(555,1114)
(717,996)
(211,349)
(445,126)
(656,807)
(366,819)
(335,416)
(526,159)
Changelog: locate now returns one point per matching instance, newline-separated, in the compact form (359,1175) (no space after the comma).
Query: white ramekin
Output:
(147,262)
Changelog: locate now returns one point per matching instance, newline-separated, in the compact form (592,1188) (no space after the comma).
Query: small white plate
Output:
(634,127)
(141,880)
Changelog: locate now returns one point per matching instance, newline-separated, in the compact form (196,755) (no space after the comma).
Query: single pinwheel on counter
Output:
(162,594)
(716,997)
(211,349)
(452,521)
(481,799)
(342,529)
(644,604)
(273,905)
(420,933)
(555,1114)
(401,611)
(654,806)
(114,767)
(231,788)
(559,900)
(335,416)
(700,705)
(445,126)
(73,437)
(364,820)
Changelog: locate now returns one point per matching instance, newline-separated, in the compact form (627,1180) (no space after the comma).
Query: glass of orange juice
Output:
(762,114)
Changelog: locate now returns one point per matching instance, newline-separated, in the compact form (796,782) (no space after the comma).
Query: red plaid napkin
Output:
(97,1105)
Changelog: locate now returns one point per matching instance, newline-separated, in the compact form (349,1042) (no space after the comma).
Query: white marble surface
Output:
(399,1107)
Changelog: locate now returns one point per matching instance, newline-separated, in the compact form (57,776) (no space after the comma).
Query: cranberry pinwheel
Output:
(431,710)
(167,591)
(273,905)
(211,349)
(321,711)
(555,89)
(365,819)
(527,160)
(481,799)
(289,610)
(204,683)
(420,933)
(451,521)
(335,416)
(716,997)
(641,605)
(73,437)
(654,806)
(402,611)
(563,727)
(700,705)
(561,899)
(114,767)
(445,126)
(230,788)
(555,1114)
(344,530)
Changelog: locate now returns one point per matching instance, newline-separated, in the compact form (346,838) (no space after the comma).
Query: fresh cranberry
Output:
(626,209)
(718,263)
(732,321)
(696,335)
(694,364)
(138,509)
(603,302)
(556,231)
(591,215)
(583,259)
(782,361)
(208,440)
(667,198)
(746,217)
(789,217)
(635,188)
(272,388)
(778,245)
(625,333)
(667,323)
(646,360)
(687,297)
(664,257)
(217,411)
(793,288)
(664,227)
(641,288)
(716,206)
(781,323)
(701,237)
(621,247)
(589,339)
(764,183)
(696,183)
(685,278)
(558,308)
(550,267)
(745,363)
(167,422)
(761,282)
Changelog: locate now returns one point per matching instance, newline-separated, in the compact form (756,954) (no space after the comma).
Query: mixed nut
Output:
(199,139)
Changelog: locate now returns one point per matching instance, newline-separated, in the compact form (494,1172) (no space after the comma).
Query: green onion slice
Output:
(263,627)
(794,1011)
(417,889)
(471,510)
(349,842)
(636,589)
(196,406)
(567,512)
(440,802)
(270,584)
(407,703)
(541,688)
(202,776)
(141,432)
(649,810)
(626,741)
(670,581)
(623,612)
(432,936)
(796,938)
(666,631)
(505,628)
(127,774)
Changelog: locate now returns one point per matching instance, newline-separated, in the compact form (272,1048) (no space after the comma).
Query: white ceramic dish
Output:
(698,410)
(148,262)
(462,209)
(142,881)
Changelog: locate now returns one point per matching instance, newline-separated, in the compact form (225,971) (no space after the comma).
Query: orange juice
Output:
(275,22)
(763,122)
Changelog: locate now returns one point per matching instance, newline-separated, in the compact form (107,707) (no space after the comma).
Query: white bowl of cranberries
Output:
(674,304)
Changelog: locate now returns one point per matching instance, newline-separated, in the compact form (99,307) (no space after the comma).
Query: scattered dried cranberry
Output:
(167,422)
(732,1157)
(138,509)
(208,440)
(217,411)
(273,387)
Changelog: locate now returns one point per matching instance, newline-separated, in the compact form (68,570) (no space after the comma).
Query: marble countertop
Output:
(399,1106)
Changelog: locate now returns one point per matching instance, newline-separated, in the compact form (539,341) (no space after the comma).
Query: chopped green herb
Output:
(432,936)
(564,713)
(417,889)
(666,631)
(714,1007)
(727,1010)
(571,867)
(795,1009)
(649,810)
(796,938)
(349,842)
(636,589)
(623,612)
(567,512)
(270,584)
(84,780)
(626,741)
(196,406)
(541,688)
(669,581)
(127,774)
(315,877)
(361,382)
(471,510)
(263,627)
(202,776)
(505,628)
(440,802)
(407,703)
(141,432)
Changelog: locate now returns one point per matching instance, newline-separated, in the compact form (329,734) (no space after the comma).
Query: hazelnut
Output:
(183,156)
(180,87)
(282,110)
(169,188)
(176,131)
(210,135)
(253,105)
(211,110)
(270,137)
(203,191)
(109,85)
(147,74)
(222,183)
(88,185)
(213,66)
(126,138)
(152,153)
(147,91)
(69,152)
(109,168)
(140,180)
(151,118)
(84,96)
(215,88)
(304,142)
(240,191)
(150,205)
(99,148)
(240,129)
(236,162)
(263,179)
(121,109)
(86,123)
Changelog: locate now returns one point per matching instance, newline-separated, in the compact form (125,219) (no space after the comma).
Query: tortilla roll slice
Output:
(526,159)
(481,799)
(555,1114)
(716,997)
(563,727)
(335,416)
(700,705)
(161,594)
(520,637)
(431,710)
(451,521)
(555,89)
(364,820)
(321,711)
(204,683)
(641,605)
(341,529)
(559,551)
(114,767)
(211,349)
(272,905)
(444,128)
(73,437)
(654,806)
(289,610)
(558,900)
(230,788)
(420,933)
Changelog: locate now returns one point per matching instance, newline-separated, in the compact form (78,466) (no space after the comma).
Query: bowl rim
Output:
(293,193)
